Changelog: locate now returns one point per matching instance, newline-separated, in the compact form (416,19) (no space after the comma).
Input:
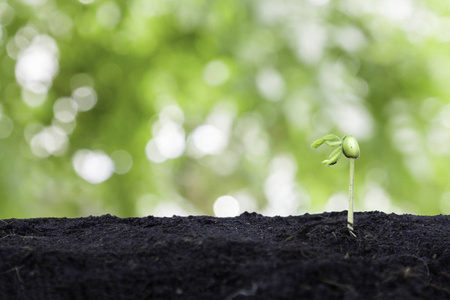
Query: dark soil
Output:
(247,257)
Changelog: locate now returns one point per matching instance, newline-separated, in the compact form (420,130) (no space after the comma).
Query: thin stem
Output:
(350,204)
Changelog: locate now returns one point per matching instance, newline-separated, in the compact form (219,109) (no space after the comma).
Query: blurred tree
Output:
(162,107)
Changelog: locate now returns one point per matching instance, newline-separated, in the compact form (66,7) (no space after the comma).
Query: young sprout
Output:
(350,147)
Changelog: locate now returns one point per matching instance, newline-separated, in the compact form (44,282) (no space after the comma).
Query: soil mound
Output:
(246,257)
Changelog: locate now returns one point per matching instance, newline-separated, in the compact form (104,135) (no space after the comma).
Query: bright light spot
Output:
(222,116)
(247,202)
(85,98)
(172,112)
(32,99)
(399,10)
(93,166)
(226,206)
(67,127)
(208,139)
(271,12)
(37,65)
(123,161)
(6,126)
(354,119)
(169,137)
(49,141)
(337,202)
(376,198)
(212,137)
(25,36)
(310,40)
(65,110)
(109,14)
(281,188)
(216,73)
(86,1)
(270,84)
(350,38)
(170,140)
(152,152)
(169,209)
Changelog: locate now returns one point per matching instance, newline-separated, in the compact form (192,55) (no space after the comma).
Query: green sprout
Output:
(350,147)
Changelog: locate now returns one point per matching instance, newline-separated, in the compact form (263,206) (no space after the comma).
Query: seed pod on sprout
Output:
(350,147)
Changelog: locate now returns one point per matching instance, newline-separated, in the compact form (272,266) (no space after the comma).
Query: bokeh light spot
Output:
(32,99)
(337,202)
(226,206)
(168,142)
(270,84)
(208,139)
(93,166)
(354,119)
(37,65)
(376,198)
(281,188)
(350,38)
(309,42)
(49,141)
(216,73)
(85,98)
(152,152)
(65,110)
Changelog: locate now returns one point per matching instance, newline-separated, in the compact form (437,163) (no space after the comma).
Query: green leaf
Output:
(334,157)
(330,138)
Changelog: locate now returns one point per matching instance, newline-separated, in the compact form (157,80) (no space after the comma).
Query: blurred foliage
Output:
(213,98)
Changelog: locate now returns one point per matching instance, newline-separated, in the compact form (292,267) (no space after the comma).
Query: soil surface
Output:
(246,257)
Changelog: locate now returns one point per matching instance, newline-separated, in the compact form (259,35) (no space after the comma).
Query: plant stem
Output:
(350,204)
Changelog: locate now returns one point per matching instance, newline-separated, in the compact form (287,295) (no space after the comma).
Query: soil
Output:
(246,257)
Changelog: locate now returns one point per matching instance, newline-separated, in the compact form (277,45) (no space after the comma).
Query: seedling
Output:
(350,147)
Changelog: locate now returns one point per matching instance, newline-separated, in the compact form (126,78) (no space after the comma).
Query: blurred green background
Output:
(209,107)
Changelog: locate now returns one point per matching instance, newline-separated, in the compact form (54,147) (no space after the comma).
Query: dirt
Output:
(246,257)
